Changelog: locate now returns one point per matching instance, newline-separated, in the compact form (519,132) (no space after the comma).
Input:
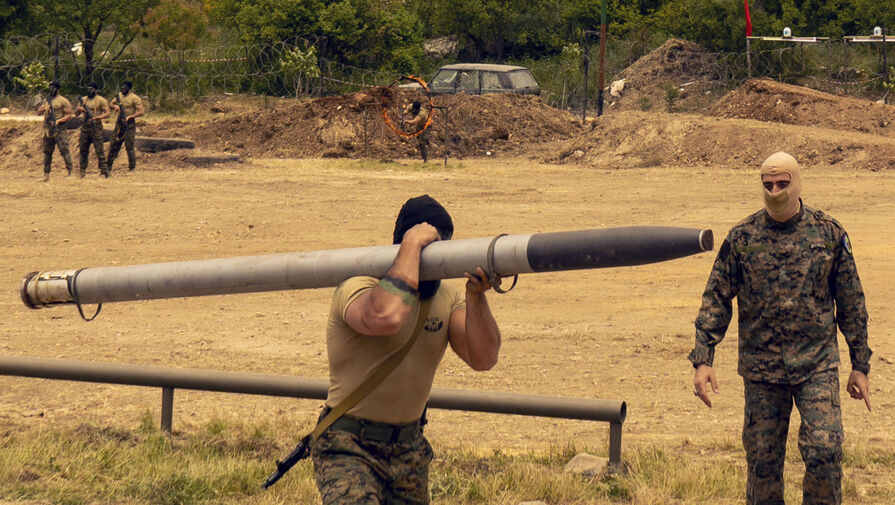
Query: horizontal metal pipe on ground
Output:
(297,387)
(507,255)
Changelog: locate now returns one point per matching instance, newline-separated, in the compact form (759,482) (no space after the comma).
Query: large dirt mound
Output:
(351,126)
(687,70)
(768,100)
(637,139)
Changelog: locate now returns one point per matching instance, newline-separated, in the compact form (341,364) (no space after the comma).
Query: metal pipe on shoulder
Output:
(507,255)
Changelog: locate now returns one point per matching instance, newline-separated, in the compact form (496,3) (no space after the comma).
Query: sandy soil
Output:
(620,334)
(614,333)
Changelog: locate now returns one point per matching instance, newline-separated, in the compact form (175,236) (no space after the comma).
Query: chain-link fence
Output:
(832,66)
(168,76)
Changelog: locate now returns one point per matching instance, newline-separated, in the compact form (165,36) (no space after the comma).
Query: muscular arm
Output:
(104,113)
(381,311)
(137,112)
(473,332)
(67,113)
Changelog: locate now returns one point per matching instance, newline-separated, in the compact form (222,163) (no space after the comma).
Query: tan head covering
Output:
(783,204)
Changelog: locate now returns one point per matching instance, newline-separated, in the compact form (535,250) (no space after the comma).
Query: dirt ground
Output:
(620,334)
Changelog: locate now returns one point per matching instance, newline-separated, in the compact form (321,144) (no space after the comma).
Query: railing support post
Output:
(167,409)
(615,447)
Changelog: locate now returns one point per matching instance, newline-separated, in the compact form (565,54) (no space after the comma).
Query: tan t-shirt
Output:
(129,103)
(59,104)
(97,105)
(401,397)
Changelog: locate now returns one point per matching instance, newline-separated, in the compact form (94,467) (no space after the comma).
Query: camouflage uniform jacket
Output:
(794,282)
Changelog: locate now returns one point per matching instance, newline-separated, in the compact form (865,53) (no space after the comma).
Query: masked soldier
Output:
(418,117)
(95,108)
(55,134)
(129,107)
(376,453)
(792,271)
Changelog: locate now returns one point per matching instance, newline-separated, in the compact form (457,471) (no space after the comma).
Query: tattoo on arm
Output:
(399,288)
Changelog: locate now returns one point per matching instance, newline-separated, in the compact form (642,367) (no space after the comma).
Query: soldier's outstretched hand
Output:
(859,387)
(705,375)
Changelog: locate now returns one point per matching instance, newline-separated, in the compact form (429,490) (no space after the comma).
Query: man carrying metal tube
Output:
(376,453)
(793,274)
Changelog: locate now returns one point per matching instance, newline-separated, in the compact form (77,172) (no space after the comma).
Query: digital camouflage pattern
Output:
(794,283)
(60,140)
(354,471)
(765,428)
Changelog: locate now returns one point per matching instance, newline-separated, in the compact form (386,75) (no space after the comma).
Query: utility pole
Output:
(602,82)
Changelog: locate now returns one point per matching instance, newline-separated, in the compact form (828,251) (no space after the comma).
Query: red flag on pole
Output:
(748,20)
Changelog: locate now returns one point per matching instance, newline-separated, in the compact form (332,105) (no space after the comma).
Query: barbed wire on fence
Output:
(169,75)
(162,74)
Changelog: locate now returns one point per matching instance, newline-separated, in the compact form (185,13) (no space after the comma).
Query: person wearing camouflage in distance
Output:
(418,117)
(376,453)
(92,130)
(55,135)
(132,107)
(792,271)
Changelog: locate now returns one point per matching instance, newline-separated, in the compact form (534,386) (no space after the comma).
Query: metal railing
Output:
(169,379)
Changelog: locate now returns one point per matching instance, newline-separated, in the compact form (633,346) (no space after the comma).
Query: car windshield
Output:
(522,79)
(444,78)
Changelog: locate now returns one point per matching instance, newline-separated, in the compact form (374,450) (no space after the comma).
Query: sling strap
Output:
(303,449)
(375,378)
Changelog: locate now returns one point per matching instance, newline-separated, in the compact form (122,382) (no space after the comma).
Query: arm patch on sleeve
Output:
(846,243)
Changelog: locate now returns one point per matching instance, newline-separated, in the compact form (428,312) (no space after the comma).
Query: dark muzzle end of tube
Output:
(706,240)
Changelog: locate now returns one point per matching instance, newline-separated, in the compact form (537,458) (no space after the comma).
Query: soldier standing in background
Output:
(791,269)
(95,108)
(129,107)
(55,134)
(418,118)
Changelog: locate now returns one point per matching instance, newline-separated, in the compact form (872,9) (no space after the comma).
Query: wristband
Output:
(400,289)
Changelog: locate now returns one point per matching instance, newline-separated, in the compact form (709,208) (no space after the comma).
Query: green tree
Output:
(497,29)
(301,67)
(176,24)
(715,24)
(88,19)
(33,77)
(267,20)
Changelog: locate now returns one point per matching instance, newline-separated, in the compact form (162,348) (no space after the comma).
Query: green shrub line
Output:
(225,461)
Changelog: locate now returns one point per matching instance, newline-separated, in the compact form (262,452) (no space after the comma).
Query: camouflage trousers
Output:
(128,138)
(765,428)
(92,135)
(422,142)
(351,470)
(60,140)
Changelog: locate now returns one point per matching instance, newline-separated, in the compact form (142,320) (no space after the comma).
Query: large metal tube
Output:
(504,255)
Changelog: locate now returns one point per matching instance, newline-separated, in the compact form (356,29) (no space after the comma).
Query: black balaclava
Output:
(126,87)
(54,88)
(91,90)
(424,209)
